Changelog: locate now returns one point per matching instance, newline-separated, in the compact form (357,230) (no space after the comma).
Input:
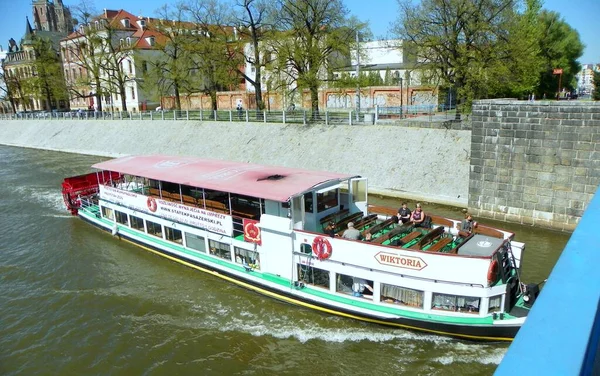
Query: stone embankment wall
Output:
(425,164)
(534,162)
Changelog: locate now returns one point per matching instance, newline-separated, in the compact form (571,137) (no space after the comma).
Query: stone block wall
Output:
(534,162)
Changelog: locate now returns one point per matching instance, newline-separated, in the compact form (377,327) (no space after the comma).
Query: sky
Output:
(582,15)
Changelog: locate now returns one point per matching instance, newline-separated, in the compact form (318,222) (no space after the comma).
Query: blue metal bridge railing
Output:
(562,332)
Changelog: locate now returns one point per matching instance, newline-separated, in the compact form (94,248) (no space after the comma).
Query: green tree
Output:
(473,45)
(47,82)
(560,47)
(214,47)
(313,33)
(596,94)
(254,28)
(173,70)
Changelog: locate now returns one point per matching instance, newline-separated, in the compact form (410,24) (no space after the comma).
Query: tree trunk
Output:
(314,101)
(213,100)
(98,96)
(177,97)
(123,99)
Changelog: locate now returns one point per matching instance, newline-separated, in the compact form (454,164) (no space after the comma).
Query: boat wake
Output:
(48,198)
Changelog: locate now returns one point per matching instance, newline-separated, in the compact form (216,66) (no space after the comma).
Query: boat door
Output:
(298,212)
(358,195)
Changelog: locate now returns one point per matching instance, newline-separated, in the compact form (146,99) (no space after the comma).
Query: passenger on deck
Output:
(330,229)
(404,213)
(418,216)
(467,225)
(368,237)
(351,233)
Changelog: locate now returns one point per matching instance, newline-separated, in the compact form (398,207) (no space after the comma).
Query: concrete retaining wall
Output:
(416,163)
(534,162)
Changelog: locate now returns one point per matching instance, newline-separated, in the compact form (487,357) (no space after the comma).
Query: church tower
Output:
(52,16)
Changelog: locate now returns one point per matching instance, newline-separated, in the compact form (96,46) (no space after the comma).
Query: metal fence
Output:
(369,116)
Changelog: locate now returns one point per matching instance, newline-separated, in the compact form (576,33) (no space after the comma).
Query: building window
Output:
(144,67)
(108,213)
(195,242)
(97,25)
(313,276)
(355,286)
(121,217)
(128,41)
(136,222)
(125,22)
(121,42)
(401,296)
(455,303)
(130,66)
(154,229)
(247,257)
(219,249)
(132,93)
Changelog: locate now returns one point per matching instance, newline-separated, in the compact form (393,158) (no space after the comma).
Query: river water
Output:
(76,301)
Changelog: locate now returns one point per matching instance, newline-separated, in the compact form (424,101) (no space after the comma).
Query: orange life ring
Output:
(252,232)
(151,202)
(321,248)
(492,275)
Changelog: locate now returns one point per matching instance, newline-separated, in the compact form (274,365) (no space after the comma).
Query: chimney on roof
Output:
(105,13)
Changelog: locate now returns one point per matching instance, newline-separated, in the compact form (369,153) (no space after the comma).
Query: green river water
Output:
(76,301)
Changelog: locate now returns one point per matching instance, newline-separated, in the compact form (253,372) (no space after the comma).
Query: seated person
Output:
(418,216)
(351,233)
(368,237)
(467,225)
(361,286)
(404,213)
(330,229)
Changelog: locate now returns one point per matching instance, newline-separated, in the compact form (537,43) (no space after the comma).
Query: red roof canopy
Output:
(272,183)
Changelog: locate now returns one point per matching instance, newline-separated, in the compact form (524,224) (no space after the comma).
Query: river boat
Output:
(264,228)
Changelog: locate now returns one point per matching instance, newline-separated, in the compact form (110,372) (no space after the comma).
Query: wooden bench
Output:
(190,200)
(154,192)
(410,237)
(342,225)
(375,229)
(365,221)
(428,238)
(484,230)
(391,234)
(441,221)
(216,206)
(437,247)
(383,210)
(333,216)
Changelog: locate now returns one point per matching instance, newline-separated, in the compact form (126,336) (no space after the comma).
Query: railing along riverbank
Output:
(370,116)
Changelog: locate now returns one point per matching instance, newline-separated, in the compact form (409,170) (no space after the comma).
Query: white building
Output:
(383,56)
(585,78)
(133,44)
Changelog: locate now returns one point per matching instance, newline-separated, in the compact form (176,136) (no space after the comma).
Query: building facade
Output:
(585,78)
(52,22)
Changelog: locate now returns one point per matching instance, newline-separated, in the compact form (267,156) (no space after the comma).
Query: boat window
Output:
(455,303)
(308,202)
(173,235)
(108,213)
(216,201)
(401,296)
(355,286)
(169,187)
(154,228)
(195,242)
(246,206)
(327,200)
(219,249)
(306,248)
(153,183)
(313,276)
(121,217)
(136,222)
(247,257)
(495,302)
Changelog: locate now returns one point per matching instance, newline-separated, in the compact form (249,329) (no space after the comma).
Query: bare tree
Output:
(312,34)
